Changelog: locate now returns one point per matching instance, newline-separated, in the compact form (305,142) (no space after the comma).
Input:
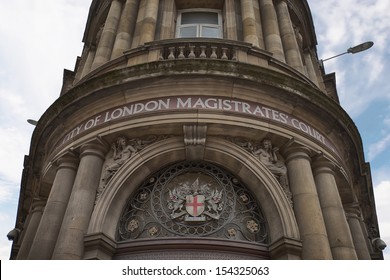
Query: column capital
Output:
(97,147)
(92,47)
(321,164)
(38,205)
(68,160)
(280,1)
(353,212)
(296,151)
(267,1)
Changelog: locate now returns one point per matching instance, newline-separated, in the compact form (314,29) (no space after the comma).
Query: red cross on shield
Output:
(195,204)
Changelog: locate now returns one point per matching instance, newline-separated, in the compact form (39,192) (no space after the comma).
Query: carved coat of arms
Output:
(196,202)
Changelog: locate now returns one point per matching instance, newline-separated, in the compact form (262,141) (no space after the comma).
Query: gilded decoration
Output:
(193,199)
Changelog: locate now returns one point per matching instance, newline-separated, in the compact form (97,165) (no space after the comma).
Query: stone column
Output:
(231,25)
(290,44)
(310,68)
(354,221)
(126,28)
(107,39)
(88,63)
(315,244)
(149,23)
(339,235)
(273,42)
(168,20)
(50,224)
(33,222)
(259,28)
(249,22)
(70,242)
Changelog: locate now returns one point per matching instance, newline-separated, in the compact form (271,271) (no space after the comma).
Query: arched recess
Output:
(283,230)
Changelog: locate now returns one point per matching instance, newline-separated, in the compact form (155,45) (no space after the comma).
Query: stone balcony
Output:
(198,49)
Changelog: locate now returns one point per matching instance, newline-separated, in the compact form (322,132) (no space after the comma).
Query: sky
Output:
(41,38)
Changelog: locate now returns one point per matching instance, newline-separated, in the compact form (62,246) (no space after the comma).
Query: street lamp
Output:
(356,49)
(32,122)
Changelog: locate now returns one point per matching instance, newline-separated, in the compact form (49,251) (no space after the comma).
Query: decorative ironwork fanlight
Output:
(193,199)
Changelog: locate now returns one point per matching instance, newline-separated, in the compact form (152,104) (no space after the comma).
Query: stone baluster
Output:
(171,53)
(181,52)
(192,52)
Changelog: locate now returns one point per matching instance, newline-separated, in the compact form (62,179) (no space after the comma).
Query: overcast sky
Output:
(41,38)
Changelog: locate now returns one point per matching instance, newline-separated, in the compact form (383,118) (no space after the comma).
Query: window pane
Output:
(188,32)
(210,32)
(199,17)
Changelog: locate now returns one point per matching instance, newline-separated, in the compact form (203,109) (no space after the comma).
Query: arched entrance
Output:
(193,201)
(227,170)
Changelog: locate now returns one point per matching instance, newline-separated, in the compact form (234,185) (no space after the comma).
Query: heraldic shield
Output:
(195,204)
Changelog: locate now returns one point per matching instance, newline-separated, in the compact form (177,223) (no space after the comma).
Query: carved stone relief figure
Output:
(298,36)
(268,155)
(122,151)
(300,41)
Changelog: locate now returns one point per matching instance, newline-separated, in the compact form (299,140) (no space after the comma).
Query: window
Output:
(199,23)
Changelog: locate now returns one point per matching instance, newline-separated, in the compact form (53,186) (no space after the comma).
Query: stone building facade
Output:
(197,130)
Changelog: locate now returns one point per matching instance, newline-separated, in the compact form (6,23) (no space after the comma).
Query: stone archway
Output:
(283,231)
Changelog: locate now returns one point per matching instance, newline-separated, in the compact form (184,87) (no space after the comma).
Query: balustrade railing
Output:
(197,50)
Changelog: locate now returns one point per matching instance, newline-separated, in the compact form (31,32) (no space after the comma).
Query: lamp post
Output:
(32,122)
(356,49)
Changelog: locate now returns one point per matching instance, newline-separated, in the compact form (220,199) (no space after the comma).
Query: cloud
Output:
(35,59)
(32,67)
(382,198)
(14,143)
(378,147)
(7,222)
(381,146)
(347,23)
(377,67)
(6,193)
(39,38)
